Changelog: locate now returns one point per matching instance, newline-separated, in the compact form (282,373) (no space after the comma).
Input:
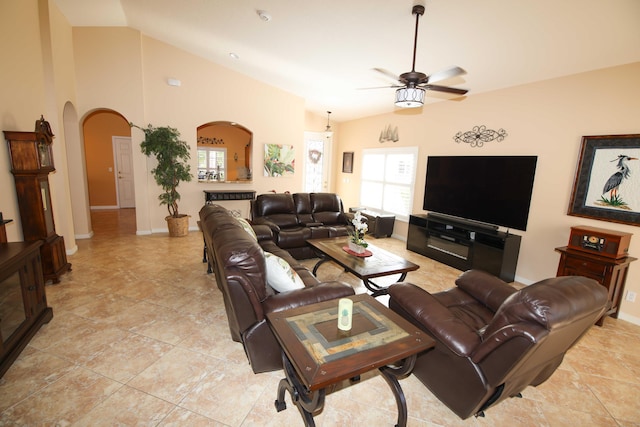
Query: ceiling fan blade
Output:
(446,74)
(388,74)
(445,89)
(381,87)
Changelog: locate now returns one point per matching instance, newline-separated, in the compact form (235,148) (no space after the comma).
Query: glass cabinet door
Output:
(12,313)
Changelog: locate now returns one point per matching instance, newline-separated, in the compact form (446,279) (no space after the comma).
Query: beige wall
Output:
(35,40)
(546,119)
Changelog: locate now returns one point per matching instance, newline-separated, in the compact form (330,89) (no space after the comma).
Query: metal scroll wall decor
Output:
(205,140)
(389,134)
(477,136)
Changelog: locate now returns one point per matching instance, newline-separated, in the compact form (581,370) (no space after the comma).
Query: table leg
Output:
(306,401)
(391,375)
(377,290)
(319,263)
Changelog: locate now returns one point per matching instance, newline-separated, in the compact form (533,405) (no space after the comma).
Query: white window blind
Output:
(388,176)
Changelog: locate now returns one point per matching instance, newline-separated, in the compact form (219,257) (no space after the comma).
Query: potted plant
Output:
(356,240)
(172,155)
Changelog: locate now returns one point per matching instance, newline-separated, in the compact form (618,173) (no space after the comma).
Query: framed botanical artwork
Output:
(279,160)
(347,162)
(607,184)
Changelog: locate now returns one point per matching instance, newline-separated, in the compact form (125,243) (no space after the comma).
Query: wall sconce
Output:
(235,157)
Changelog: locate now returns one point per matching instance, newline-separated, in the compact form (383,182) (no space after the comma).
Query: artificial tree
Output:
(172,154)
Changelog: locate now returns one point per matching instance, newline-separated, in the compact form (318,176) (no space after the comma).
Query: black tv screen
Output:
(490,189)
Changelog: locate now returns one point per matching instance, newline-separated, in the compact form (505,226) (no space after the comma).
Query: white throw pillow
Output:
(247,227)
(280,275)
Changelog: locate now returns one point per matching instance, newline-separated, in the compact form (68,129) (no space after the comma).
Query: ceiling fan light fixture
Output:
(410,97)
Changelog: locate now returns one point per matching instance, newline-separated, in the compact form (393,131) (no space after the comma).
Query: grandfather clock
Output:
(31,163)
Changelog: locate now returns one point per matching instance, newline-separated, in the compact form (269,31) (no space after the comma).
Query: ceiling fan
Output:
(413,84)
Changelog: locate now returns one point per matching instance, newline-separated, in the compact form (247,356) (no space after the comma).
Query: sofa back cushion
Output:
(326,208)
(303,207)
(278,208)
(552,303)
(238,257)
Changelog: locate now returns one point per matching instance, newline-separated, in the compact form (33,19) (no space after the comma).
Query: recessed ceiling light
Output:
(234,55)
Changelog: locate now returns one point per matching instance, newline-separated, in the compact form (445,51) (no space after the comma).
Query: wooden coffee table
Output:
(317,355)
(380,263)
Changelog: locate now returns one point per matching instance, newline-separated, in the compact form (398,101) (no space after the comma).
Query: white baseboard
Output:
(84,236)
(98,208)
(629,318)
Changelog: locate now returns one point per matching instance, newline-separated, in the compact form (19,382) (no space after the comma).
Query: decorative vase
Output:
(356,248)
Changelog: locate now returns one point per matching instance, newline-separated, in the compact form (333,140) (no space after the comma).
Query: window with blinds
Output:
(388,176)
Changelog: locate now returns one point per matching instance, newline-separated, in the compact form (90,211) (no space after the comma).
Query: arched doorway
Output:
(109,168)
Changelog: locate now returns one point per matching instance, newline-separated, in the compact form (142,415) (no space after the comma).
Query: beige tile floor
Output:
(139,337)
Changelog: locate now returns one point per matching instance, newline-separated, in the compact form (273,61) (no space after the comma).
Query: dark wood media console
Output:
(464,245)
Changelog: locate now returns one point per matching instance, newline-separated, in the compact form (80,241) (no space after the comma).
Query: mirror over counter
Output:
(224,152)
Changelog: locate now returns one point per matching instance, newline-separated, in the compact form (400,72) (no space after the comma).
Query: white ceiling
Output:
(324,51)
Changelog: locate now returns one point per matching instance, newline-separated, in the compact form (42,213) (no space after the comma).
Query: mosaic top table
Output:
(380,263)
(316,354)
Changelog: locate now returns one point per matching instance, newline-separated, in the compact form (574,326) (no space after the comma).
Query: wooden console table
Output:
(609,272)
(217,195)
(23,302)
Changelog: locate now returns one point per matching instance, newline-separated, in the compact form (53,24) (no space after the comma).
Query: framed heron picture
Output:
(607,183)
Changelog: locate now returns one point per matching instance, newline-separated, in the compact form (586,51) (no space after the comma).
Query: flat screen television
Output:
(493,190)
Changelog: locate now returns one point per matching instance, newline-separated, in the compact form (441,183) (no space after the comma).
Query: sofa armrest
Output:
(263,232)
(346,217)
(312,224)
(310,295)
(272,225)
(528,332)
(485,288)
(434,318)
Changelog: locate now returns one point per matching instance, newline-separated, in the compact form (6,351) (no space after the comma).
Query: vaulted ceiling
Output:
(325,51)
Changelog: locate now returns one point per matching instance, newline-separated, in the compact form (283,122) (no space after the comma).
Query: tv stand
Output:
(464,244)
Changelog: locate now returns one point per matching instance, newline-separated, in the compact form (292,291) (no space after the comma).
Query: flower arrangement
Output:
(360,227)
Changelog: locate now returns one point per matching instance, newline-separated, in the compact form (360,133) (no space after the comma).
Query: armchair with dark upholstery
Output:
(493,340)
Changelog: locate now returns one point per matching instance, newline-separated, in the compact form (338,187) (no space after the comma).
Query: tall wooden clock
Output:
(31,163)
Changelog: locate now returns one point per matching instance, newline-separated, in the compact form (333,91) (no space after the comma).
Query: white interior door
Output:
(317,157)
(124,171)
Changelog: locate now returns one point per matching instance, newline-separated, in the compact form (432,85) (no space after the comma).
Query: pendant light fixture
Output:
(328,128)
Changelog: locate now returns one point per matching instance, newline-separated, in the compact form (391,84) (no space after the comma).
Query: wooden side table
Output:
(611,273)
(317,355)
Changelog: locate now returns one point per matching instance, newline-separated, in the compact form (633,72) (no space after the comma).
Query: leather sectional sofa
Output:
(294,218)
(237,258)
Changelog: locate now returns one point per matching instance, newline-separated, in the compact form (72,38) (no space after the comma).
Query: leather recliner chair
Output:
(492,340)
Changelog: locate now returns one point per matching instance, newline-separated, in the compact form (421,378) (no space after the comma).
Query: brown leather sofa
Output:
(492,340)
(294,218)
(238,261)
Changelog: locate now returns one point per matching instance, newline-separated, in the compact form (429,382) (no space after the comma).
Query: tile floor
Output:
(139,337)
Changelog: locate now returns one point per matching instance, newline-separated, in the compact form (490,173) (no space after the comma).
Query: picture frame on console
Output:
(607,182)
